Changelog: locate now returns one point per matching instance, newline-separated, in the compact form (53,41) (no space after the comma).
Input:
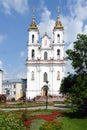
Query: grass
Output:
(74,121)
(40,112)
(74,124)
(24,104)
(21,105)
(35,125)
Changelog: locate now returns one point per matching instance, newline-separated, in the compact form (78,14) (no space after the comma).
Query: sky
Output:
(15,18)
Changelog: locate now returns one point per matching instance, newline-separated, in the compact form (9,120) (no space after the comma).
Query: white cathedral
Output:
(45,62)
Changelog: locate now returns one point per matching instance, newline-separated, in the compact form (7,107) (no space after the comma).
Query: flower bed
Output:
(22,119)
(48,117)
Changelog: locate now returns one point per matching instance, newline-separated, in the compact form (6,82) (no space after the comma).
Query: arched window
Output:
(32,54)
(45,55)
(58,53)
(58,38)
(32,75)
(45,77)
(33,38)
(58,75)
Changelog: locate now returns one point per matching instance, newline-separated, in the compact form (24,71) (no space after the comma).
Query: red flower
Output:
(47,117)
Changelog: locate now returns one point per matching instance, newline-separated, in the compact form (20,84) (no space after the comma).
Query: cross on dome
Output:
(58,24)
(33,25)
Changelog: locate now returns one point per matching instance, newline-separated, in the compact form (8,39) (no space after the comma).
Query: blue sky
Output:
(16,16)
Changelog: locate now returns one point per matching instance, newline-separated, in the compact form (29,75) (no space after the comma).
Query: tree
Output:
(67,84)
(78,55)
(75,85)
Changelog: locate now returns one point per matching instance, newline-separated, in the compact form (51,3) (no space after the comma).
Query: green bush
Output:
(13,99)
(8,122)
(25,115)
(55,125)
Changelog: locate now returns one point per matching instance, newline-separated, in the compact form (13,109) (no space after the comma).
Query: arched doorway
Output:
(44,90)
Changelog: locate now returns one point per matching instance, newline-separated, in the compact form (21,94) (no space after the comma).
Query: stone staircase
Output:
(50,98)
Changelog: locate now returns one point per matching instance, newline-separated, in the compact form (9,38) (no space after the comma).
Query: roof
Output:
(33,25)
(58,24)
(46,35)
(14,81)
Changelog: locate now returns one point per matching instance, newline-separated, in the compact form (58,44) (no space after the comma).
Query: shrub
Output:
(13,99)
(8,122)
(25,115)
(54,125)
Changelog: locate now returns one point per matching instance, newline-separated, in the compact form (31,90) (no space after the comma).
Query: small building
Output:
(14,89)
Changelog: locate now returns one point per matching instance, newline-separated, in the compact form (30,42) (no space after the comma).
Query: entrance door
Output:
(44,90)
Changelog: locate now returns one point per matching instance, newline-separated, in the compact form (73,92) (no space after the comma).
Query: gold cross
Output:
(33,10)
(58,9)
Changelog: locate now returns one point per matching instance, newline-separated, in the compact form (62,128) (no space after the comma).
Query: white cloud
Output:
(80,9)
(2,38)
(85,29)
(46,24)
(18,5)
(71,28)
(73,22)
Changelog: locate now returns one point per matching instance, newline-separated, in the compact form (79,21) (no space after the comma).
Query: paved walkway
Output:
(57,106)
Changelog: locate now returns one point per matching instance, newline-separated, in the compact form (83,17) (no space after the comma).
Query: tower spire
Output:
(58,24)
(33,25)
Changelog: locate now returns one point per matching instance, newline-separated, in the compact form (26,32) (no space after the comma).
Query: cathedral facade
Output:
(45,62)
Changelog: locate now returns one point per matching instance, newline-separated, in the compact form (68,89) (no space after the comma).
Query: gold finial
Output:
(58,24)
(33,25)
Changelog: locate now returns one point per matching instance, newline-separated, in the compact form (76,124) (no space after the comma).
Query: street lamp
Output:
(47,94)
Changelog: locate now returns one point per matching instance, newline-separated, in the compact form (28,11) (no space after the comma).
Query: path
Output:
(56,106)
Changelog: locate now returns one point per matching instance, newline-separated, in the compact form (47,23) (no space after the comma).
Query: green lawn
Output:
(35,125)
(74,124)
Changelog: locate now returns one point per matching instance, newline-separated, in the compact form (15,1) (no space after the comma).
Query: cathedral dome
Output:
(58,24)
(33,25)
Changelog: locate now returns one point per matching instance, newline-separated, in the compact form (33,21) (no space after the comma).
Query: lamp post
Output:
(47,94)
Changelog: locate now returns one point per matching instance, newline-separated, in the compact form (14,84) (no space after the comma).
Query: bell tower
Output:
(58,31)
(32,46)
(58,43)
(33,38)
(33,32)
